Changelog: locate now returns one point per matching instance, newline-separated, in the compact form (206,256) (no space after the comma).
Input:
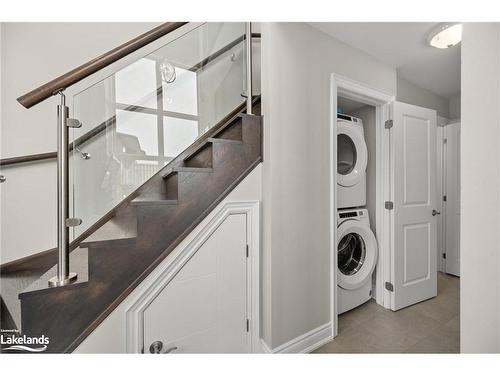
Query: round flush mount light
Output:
(446,35)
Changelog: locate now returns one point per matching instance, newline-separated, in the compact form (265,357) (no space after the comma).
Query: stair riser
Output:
(201,159)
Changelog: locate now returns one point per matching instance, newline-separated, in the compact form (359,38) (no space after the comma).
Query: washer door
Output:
(356,254)
(352,155)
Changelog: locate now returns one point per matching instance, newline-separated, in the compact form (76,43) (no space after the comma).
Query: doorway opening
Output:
(402,303)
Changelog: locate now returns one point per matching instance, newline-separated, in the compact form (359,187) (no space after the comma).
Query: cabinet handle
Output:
(435,212)
(157,348)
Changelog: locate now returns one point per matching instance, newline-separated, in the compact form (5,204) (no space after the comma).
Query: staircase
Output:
(130,241)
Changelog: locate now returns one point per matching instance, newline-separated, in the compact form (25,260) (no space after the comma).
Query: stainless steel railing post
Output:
(248,33)
(63,275)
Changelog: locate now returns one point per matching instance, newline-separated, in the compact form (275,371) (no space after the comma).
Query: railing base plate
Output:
(54,282)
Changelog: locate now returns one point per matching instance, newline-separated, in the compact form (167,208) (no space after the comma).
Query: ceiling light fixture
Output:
(446,35)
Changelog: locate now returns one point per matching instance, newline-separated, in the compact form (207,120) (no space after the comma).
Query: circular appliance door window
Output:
(346,154)
(351,253)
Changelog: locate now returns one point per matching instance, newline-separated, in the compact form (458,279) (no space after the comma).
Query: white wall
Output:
(455,107)
(110,335)
(480,195)
(408,92)
(32,54)
(297,61)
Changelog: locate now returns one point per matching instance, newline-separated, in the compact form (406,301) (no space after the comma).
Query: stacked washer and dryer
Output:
(356,243)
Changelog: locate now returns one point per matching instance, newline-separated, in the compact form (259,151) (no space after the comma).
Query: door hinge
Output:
(247,251)
(389,205)
(388,124)
(389,286)
(444,198)
(444,255)
(248,325)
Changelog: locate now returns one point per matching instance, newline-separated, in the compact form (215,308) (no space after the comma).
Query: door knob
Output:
(435,212)
(157,348)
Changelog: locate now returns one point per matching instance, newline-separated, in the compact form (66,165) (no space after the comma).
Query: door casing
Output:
(350,89)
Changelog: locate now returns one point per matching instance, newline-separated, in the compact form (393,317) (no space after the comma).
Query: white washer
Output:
(352,158)
(356,258)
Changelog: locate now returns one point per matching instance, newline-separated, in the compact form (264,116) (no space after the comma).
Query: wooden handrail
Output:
(45,91)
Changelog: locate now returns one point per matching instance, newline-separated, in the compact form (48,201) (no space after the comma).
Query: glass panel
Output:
(181,94)
(142,116)
(136,84)
(346,154)
(136,133)
(351,253)
(178,134)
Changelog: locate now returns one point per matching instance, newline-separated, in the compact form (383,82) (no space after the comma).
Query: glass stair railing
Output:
(136,120)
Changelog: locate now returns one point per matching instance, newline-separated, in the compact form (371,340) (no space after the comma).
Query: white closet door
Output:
(204,308)
(414,273)
(452,205)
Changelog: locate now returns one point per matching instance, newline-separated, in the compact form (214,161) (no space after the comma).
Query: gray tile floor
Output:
(431,326)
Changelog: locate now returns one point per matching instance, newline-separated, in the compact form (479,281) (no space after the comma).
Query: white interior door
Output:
(452,204)
(414,228)
(204,308)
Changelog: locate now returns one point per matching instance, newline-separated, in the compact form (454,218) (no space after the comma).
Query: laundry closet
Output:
(357,250)
(387,205)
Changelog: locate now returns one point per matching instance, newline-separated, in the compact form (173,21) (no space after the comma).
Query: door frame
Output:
(444,191)
(441,233)
(166,271)
(351,89)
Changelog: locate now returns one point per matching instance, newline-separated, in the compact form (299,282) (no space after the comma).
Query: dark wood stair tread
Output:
(193,169)
(109,242)
(78,263)
(121,226)
(224,140)
(155,200)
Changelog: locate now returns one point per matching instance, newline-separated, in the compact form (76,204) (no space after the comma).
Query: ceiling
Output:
(403,46)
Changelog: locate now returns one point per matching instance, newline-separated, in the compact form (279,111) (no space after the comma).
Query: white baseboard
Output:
(305,343)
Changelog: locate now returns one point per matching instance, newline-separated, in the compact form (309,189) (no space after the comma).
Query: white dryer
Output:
(352,158)
(357,252)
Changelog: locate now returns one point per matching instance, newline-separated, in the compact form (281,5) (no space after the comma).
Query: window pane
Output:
(178,135)
(136,84)
(181,94)
(136,133)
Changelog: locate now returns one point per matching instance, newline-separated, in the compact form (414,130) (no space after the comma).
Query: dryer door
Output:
(352,155)
(356,254)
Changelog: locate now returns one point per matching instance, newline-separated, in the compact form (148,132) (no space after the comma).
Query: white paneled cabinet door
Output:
(204,308)
(414,223)
(452,204)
